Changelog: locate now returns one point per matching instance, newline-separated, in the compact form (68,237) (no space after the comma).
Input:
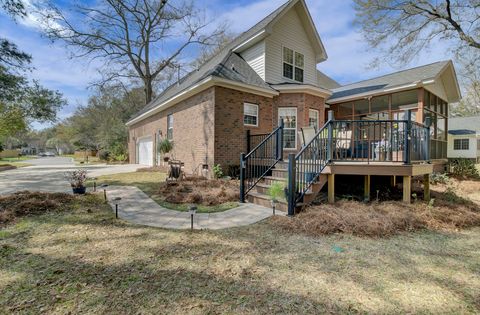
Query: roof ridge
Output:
(392,73)
(226,48)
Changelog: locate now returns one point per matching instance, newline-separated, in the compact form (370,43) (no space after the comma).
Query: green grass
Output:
(148,182)
(85,261)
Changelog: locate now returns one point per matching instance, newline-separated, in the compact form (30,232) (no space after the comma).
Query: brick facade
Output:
(208,127)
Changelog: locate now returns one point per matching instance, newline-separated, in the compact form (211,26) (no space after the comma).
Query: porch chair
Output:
(307,134)
(343,144)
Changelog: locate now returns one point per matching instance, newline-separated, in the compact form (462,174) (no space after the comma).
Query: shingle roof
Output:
(470,123)
(390,80)
(326,82)
(461,132)
(220,62)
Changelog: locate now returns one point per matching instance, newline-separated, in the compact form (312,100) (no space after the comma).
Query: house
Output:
(464,138)
(264,88)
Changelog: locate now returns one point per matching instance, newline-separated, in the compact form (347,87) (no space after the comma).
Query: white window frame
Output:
(461,142)
(296,125)
(257,115)
(169,126)
(293,64)
(318,117)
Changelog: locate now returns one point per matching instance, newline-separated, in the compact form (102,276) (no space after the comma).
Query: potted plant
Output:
(275,192)
(77,181)
(164,147)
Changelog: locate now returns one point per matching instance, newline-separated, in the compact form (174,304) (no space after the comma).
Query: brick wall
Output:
(208,127)
(193,130)
(230,132)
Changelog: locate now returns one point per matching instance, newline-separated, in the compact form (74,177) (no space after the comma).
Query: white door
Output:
(145,151)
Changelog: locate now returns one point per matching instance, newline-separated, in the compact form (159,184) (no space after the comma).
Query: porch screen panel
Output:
(289,116)
(379,104)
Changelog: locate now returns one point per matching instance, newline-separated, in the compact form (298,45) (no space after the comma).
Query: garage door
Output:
(145,151)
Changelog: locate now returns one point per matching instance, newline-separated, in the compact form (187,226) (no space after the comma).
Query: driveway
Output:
(47,174)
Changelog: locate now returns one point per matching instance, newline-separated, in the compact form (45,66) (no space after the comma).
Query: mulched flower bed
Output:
(200,191)
(26,203)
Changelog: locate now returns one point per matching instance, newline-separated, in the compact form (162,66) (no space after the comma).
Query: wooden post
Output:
(331,188)
(407,189)
(426,187)
(366,186)
(393,181)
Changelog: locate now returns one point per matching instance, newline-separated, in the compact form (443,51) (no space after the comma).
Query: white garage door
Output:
(145,151)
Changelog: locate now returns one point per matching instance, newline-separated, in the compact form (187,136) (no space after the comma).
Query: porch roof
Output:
(402,80)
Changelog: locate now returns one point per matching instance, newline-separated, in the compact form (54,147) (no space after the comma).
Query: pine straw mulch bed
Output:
(200,191)
(26,203)
(447,211)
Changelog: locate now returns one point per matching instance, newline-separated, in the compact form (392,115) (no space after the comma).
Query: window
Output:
(289,116)
(461,144)
(293,64)
(313,118)
(250,114)
(170,127)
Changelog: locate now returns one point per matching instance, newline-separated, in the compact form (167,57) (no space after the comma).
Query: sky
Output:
(348,55)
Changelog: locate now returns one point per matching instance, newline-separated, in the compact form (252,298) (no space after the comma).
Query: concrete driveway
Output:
(47,174)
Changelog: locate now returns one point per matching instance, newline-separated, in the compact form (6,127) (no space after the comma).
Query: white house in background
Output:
(464,138)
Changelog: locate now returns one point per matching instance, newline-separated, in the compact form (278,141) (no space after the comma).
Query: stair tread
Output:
(276,178)
(267,186)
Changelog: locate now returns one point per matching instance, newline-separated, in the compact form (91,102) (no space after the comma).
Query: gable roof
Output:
(405,79)
(326,82)
(219,66)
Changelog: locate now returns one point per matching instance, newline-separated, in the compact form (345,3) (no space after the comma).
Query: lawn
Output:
(149,183)
(17,161)
(84,261)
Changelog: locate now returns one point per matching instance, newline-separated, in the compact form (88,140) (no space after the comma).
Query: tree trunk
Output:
(148,90)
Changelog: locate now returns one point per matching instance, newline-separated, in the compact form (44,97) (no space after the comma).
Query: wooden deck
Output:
(378,168)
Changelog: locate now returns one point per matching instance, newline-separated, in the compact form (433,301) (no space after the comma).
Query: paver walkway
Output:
(135,206)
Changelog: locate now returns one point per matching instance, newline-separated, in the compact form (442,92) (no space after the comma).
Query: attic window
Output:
(293,64)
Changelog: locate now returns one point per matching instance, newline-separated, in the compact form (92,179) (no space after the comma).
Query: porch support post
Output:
(393,181)
(366,188)
(292,186)
(330,136)
(331,188)
(426,187)
(407,189)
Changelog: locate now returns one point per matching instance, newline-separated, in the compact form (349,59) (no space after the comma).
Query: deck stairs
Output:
(259,194)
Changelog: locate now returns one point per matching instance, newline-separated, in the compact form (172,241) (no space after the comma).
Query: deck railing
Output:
(368,141)
(260,160)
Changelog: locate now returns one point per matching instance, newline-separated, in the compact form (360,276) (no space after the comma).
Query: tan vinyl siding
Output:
(288,32)
(255,57)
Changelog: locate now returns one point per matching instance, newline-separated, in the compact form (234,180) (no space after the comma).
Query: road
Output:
(48,174)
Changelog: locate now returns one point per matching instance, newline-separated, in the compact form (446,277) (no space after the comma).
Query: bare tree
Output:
(136,39)
(403,28)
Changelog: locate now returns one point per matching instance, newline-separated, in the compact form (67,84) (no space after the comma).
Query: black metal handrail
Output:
(255,140)
(305,167)
(259,162)
(355,140)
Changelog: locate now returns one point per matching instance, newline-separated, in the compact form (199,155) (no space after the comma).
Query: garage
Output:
(145,151)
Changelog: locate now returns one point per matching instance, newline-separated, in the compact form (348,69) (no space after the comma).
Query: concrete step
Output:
(271,179)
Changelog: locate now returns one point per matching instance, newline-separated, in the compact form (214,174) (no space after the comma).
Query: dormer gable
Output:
(286,48)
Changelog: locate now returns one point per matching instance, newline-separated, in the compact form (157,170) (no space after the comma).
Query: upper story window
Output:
(293,64)
(170,127)
(461,144)
(250,114)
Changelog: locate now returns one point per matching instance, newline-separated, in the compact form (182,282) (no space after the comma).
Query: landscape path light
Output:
(104,186)
(94,184)
(192,209)
(116,199)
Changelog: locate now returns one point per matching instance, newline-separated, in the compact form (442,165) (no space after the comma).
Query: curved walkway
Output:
(135,206)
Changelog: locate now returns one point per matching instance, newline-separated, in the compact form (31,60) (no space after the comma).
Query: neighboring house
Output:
(464,138)
(269,74)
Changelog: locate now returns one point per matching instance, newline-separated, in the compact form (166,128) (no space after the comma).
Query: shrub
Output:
(464,168)
(276,191)
(104,155)
(217,171)
(439,178)
(233,171)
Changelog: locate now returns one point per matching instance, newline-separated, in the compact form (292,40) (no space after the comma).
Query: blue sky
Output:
(348,60)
